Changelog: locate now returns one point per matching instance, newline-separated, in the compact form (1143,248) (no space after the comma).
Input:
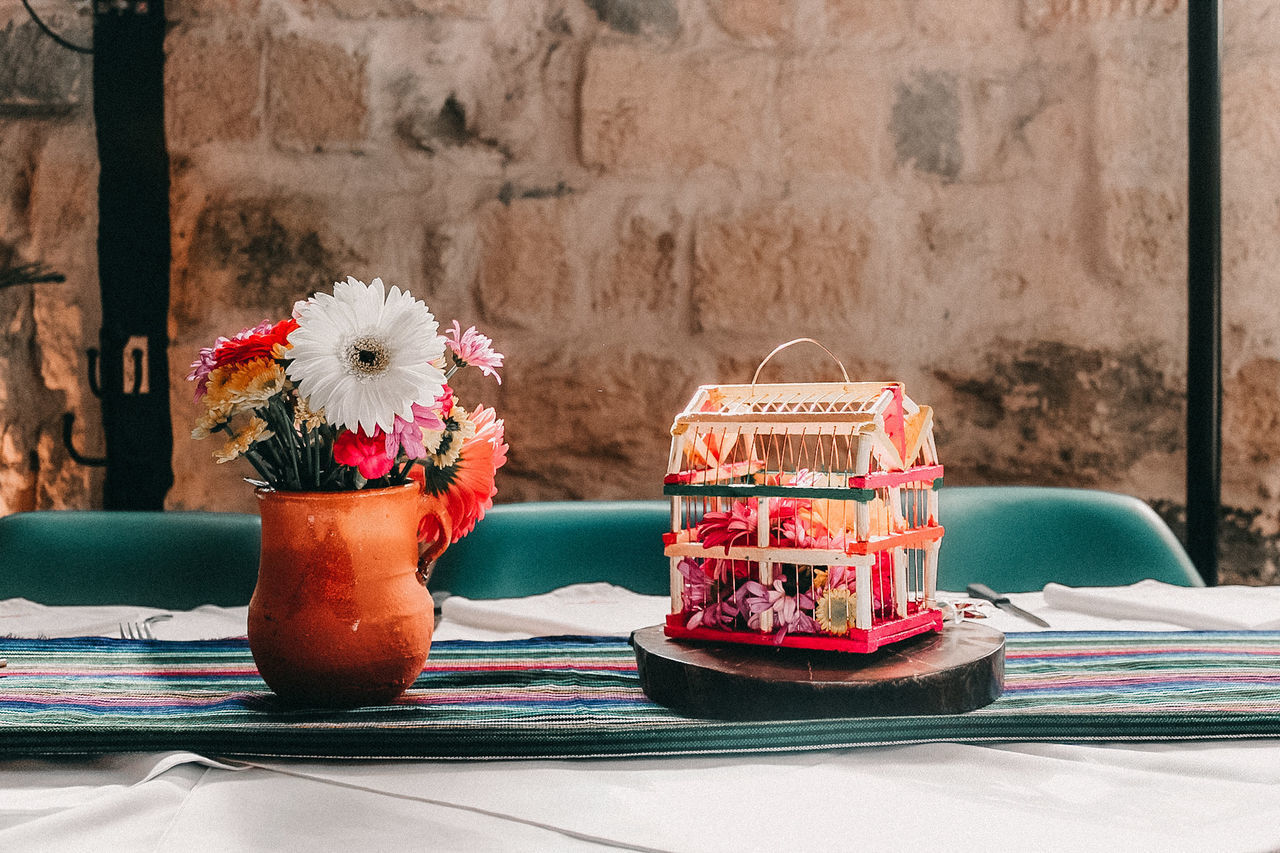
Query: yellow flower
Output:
(446,445)
(835,611)
(217,414)
(304,418)
(255,431)
(246,386)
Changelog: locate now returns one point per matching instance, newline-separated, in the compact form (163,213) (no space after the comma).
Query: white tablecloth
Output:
(1221,796)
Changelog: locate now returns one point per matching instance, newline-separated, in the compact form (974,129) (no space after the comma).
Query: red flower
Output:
(367,453)
(248,344)
(737,527)
(260,345)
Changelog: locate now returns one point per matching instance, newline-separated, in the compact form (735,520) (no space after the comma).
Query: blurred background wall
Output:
(983,198)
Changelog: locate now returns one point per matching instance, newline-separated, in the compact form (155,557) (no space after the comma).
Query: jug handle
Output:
(429,505)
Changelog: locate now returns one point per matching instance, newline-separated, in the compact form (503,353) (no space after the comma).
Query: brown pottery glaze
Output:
(339,616)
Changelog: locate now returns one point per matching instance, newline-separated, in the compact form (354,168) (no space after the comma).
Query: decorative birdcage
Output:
(803,515)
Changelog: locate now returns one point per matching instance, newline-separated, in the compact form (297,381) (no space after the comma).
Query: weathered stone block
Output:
(590,422)
(1251,205)
(887,23)
(658,111)
(18,469)
(778,266)
(1246,28)
(365,9)
(642,271)
(974,127)
(212,88)
(60,336)
(62,204)
(316,95)
(831,112)
(524,277)
(1146,236)
(1140,132)
(252,258)
(37,76)
(1251,418)
(1250,136)
(994,22)
(658,18)
(1042,15)
(182,10)
(926,124)
(1058,414)
(35,471)
(61,483)
(901,23)
(772,20)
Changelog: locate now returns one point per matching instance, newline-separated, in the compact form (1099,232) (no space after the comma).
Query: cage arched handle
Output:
(780,347)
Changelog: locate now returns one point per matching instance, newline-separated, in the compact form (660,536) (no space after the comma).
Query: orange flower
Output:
(467,486)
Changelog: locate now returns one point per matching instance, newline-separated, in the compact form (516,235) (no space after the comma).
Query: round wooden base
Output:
(956,670)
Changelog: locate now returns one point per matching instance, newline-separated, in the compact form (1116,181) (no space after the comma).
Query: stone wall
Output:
(48,215)
(984,198)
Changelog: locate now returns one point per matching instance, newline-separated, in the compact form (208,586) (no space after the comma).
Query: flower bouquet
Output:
(352,392)
(367,467)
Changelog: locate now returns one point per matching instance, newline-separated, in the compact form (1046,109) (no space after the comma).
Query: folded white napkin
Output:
(585,608)
(22,618)
(1220,608)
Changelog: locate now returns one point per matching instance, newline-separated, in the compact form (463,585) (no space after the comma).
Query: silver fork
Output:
(141,630)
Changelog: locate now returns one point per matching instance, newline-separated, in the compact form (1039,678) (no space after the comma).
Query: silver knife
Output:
(986,593)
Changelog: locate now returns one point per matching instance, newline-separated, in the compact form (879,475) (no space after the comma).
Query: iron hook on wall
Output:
(69,418)
(138,356)
(68,424)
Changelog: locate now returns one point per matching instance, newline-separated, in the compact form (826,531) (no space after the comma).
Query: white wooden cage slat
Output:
(890,458)
(677,587)
(900,582)
(931,573)
(862,598)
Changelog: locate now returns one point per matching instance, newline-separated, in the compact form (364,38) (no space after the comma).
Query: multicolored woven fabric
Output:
(579,696)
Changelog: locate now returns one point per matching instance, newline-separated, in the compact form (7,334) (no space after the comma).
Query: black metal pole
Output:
(1204,283)
(133,249)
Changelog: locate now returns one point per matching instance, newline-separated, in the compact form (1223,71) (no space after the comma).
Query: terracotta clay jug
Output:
(340,616)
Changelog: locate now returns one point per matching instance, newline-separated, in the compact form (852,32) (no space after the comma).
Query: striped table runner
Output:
(580,697)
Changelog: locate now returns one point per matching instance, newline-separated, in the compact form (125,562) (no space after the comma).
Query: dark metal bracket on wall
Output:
(133,256)
(1204,284)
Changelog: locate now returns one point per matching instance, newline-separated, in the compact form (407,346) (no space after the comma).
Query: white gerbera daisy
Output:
(365,355)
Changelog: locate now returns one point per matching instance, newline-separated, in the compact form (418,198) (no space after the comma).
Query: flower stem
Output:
(260,465)
(285,419)
(455,364)
(400,477)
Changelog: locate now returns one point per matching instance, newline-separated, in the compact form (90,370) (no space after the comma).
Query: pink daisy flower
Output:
(407,435)
(474,349)
(790,612)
